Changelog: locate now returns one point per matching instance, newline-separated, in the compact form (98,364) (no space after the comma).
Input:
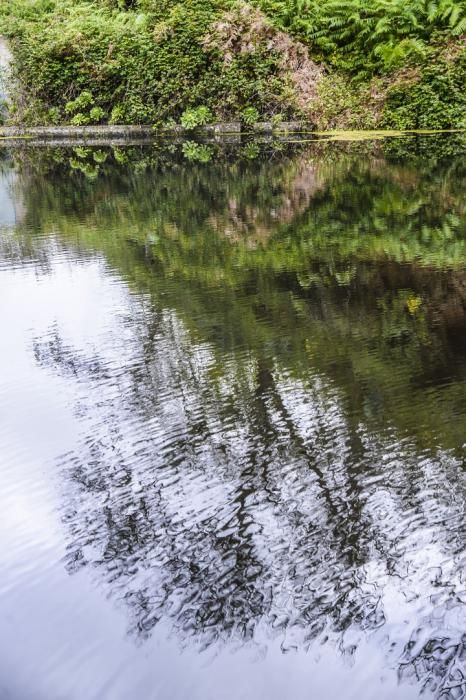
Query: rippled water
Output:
(233,422)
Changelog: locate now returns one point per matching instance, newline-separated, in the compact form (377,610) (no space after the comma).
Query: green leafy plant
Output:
(367,35)
(84,110)
(196,116)
(437,100)
(96,114)
(118,114)
(278,119)
(79,104)
(250,115)
(80,119)
(142,62)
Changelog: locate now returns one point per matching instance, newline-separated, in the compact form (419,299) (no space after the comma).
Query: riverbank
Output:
(101,135)
(227,132)
(193,63)
(136,130)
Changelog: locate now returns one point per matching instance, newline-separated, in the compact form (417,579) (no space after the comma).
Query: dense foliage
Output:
(160,61)
(143,65)
(368,35)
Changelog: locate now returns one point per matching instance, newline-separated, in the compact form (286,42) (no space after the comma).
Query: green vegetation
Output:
(146,64)
(370,35)
(336,63)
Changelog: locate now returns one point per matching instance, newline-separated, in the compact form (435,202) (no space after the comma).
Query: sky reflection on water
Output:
(233,425)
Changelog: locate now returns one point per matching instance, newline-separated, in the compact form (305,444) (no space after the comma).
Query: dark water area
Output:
(233,421)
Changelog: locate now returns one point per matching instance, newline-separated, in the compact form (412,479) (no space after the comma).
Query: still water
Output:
(233,421)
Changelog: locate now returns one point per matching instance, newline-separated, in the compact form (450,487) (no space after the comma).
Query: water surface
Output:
(233,420)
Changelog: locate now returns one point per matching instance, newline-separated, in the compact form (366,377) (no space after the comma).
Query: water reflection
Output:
(272,427)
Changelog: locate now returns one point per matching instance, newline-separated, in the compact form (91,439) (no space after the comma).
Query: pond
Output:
(233,420)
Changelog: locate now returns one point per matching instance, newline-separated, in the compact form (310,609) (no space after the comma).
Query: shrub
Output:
(436,101)
(196,116)
(142,62)
(83,100)
(368,35)
(249,115)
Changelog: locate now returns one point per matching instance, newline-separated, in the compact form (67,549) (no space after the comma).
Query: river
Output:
(233,421)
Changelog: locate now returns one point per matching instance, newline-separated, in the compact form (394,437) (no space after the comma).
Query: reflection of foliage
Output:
(204,495)
(197,152)
(307,234)
(251,151)
(217,581)
(283,412)
(439,662)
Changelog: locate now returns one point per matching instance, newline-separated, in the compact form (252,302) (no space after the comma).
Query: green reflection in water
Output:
(346,259)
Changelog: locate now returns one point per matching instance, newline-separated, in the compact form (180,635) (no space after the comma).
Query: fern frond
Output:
(460,28)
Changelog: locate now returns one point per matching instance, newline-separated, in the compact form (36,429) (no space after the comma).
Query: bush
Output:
(196,116)
(369,35)
(144,64)
(249,115)
(436,101)
(162,61)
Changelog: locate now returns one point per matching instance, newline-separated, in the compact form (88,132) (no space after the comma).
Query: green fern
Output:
(375,33)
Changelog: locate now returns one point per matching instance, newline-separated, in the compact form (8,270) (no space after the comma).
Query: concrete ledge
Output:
(132,132)
(111,131)
(77,132)
(220,128)
(281,127)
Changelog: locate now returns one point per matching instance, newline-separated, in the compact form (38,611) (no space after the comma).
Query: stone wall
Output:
(101,134)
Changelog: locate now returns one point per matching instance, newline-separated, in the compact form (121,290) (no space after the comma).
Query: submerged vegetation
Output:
(335,63)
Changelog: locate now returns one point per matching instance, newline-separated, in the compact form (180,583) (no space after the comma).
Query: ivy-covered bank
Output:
(335,63)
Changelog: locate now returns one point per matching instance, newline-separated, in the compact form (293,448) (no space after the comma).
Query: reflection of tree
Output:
(276,447)
(246,503)
(321,239)
(439,664)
